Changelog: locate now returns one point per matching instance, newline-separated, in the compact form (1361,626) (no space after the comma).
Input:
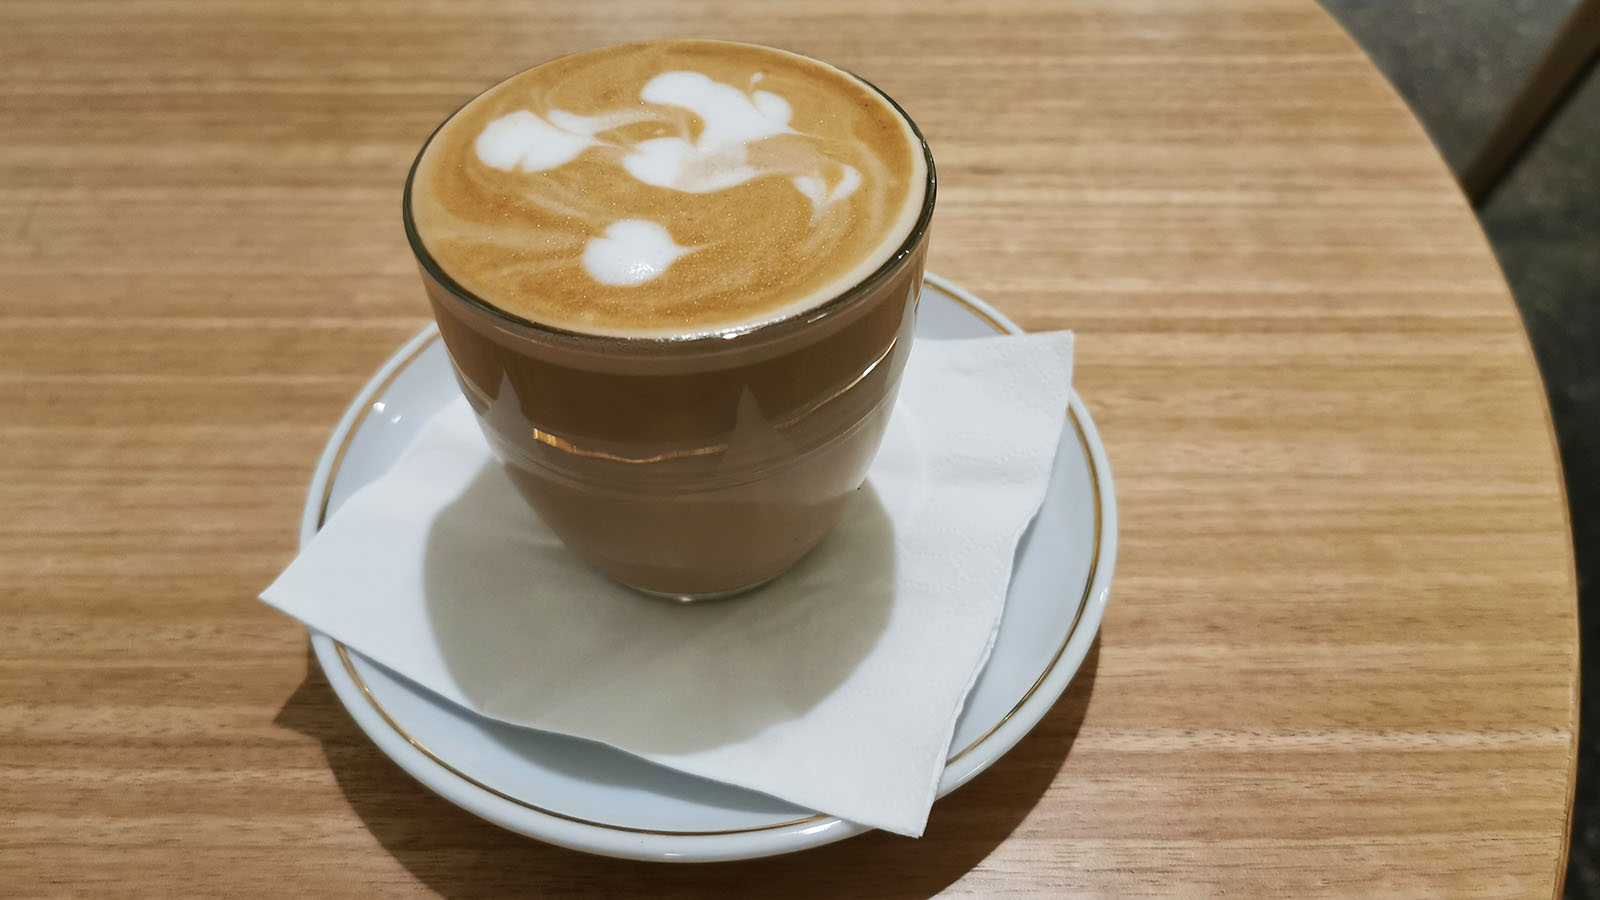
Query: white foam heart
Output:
(675,163)
(731,121)
(523,139)
(631,252)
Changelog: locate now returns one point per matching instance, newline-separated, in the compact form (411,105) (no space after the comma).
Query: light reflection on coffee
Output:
(677,281)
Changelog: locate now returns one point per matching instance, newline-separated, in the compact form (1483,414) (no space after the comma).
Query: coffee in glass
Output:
(677,281)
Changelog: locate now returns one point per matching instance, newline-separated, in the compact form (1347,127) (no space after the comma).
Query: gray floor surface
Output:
(1458,63)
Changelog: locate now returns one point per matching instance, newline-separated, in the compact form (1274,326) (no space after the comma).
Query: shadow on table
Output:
(463,857)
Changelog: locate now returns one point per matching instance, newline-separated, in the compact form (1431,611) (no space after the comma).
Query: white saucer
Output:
(592,798)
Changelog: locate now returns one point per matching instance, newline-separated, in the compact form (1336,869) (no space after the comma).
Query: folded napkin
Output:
(835,687)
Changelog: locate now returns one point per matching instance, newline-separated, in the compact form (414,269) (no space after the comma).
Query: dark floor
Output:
(1458,63)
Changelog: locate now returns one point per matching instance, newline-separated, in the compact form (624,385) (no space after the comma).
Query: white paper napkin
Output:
(836,687)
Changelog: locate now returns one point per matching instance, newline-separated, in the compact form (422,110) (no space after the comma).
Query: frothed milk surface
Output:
(668,188)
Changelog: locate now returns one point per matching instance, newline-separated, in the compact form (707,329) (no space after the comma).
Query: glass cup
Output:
(689,467)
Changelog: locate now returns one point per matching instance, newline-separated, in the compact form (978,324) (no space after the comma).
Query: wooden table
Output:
(1341,653)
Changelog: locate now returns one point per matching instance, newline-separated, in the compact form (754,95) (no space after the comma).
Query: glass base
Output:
(697,598)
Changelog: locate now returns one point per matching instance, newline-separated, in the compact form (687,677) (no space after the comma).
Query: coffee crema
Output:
(671,188)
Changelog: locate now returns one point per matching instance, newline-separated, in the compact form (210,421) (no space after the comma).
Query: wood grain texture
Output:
(1341,651)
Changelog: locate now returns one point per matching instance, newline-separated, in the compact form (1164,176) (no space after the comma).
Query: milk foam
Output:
(668,188)
(716,160)
(631,252)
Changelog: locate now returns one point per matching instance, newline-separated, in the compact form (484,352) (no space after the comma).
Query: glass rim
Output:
(899,257)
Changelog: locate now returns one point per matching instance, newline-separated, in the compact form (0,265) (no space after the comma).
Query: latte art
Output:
(631,252)
(634,251)
(668,188)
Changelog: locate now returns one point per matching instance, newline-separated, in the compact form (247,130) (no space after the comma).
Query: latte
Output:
(668,189)
(678,284)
